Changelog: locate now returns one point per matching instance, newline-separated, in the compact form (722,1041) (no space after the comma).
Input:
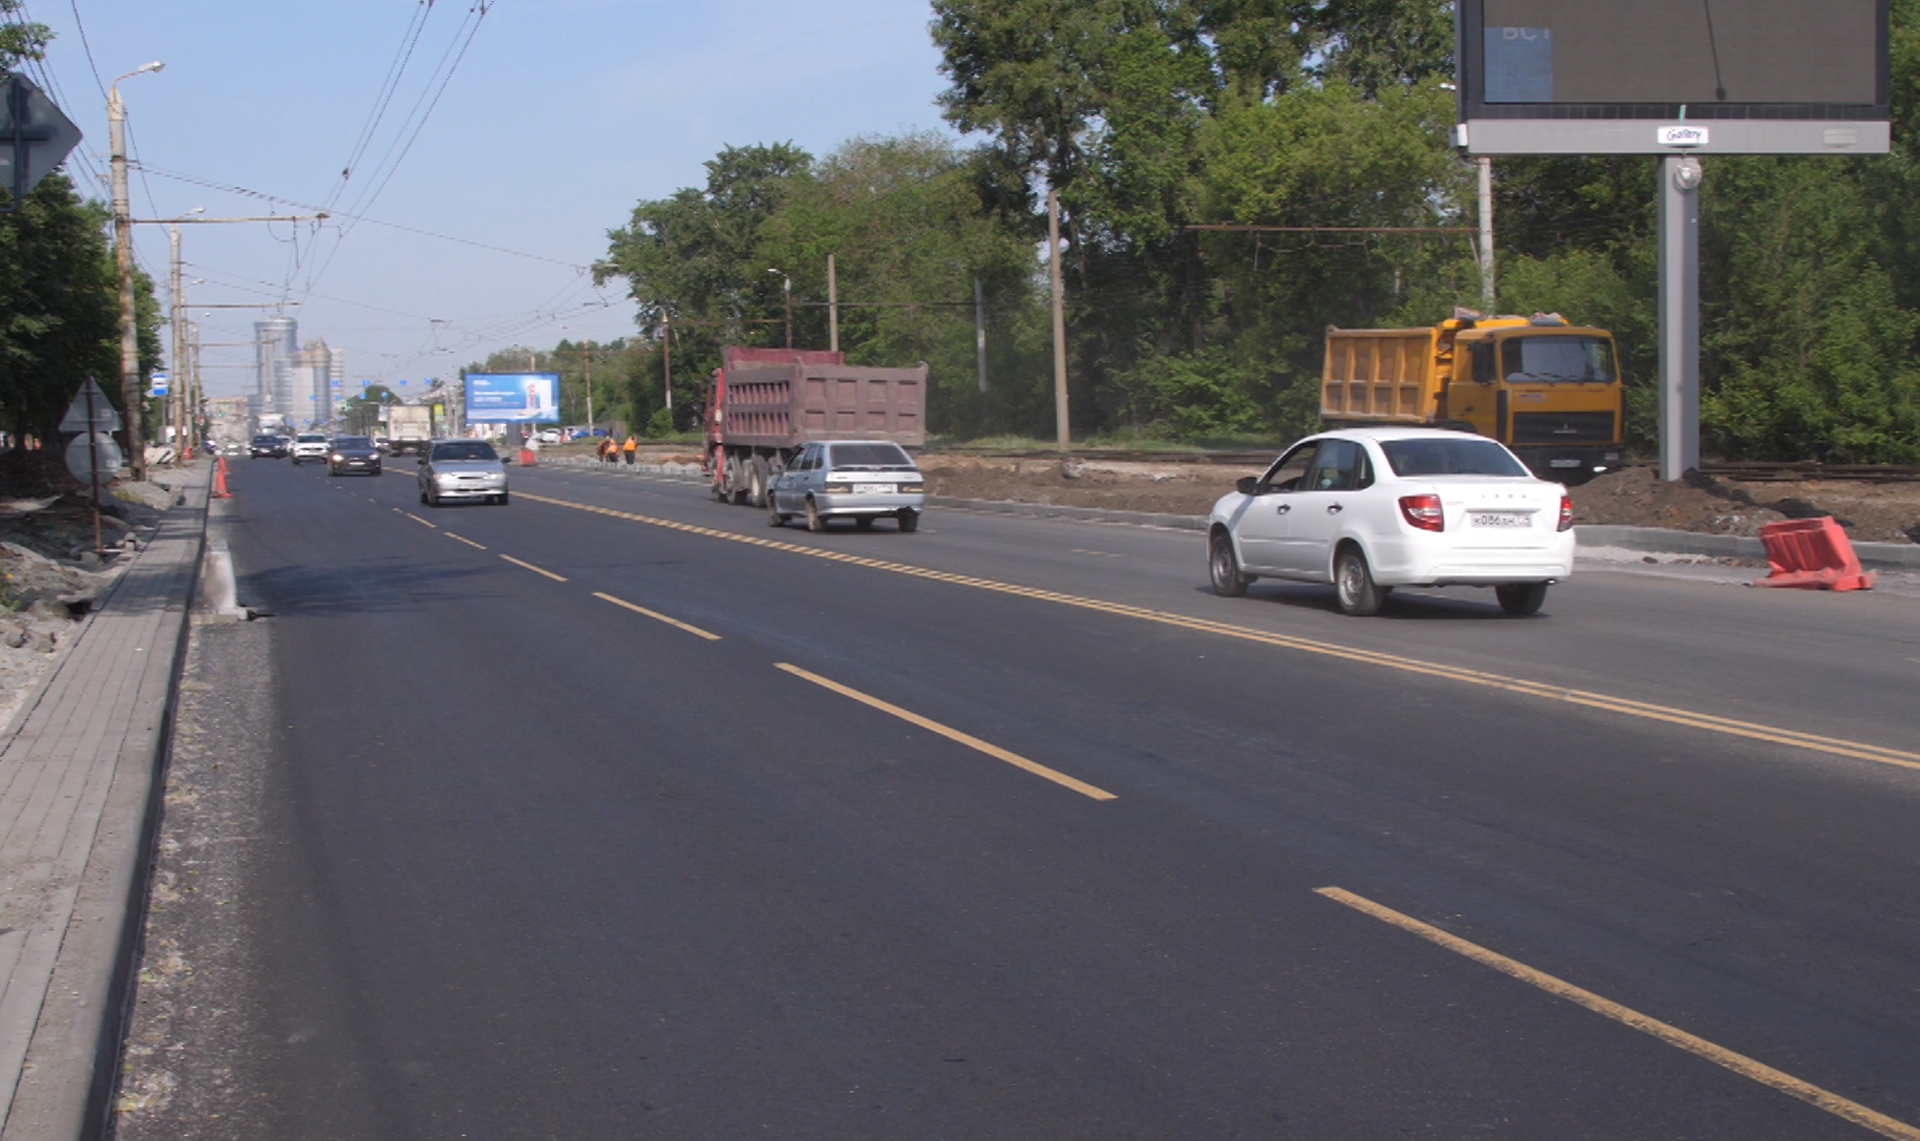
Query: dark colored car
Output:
(353,453)
(273,447)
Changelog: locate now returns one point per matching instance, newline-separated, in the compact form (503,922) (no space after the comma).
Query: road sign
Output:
(99,457)
(35,137)
(102,418)
(159,384)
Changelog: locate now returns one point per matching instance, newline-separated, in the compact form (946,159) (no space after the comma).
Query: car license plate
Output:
(1500,519)
(1563,463)
(873,489)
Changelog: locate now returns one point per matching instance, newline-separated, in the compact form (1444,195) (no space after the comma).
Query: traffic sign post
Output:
(93,414)
(35,137)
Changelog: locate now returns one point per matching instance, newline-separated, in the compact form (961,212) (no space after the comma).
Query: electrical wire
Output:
(230,188)
(365,201)
(409,40)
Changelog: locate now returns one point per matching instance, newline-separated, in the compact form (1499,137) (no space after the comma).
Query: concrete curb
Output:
(1652,540)
(79,800)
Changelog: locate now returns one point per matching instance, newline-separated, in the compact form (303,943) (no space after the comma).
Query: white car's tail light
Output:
(1566,512)
(1423,511)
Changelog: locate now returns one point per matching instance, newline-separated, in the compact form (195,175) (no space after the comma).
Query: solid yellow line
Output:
(1689,718)
(1672,1035)
(657,617)
(458,539)
(534,569)
(417,519)
(971,742)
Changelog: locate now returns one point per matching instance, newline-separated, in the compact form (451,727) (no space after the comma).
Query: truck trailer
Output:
(764,405)
(1550,391)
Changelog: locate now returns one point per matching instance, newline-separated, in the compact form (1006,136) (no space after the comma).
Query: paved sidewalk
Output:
(76,812)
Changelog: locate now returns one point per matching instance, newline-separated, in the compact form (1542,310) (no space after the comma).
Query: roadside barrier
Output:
(1812,554)
(528,457)
(220,480)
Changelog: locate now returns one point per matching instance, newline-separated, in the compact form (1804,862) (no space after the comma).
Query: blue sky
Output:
(561,115)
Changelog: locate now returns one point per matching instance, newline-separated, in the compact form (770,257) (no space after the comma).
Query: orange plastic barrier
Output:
(528,457)
(1812,554)
(220,480)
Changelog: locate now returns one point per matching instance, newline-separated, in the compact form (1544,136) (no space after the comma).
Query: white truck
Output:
(409,427)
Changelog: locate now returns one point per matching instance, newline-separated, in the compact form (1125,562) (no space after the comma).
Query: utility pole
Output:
(199,406)
(1487,301)
(1059,324)
(130,393)
(980,331)
(666,353)
(589,345)
(176,391)
(833,309)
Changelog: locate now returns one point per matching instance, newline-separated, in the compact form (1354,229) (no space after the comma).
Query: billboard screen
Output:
(1757,76)
(518,397)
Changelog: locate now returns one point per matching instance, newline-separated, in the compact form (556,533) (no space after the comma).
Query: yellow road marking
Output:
(1672,1035)
(657,617)
(1101,554)
(417,519)
(1626,706)
(971,742)
(458,539)
(534,569)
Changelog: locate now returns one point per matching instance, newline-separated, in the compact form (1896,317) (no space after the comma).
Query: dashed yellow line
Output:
(459,539)
(1626,706)
(657,616)
(971,742)
(416,518)
(1672,1035)
(534,569)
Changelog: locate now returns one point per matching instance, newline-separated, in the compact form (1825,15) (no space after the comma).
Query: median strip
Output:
(1711,723)
(657,617)
(1672,1035)
(534,569)
(971,742)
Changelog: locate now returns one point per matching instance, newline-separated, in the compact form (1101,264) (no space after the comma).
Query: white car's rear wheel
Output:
(1521,597)
(1353,584)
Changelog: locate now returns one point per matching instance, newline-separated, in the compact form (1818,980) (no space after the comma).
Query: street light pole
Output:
(786,287)
(123,260)
(176,386)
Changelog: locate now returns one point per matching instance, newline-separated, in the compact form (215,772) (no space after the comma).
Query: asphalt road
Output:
(614,812)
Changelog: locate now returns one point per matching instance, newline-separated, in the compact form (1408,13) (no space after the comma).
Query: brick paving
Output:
(76,798)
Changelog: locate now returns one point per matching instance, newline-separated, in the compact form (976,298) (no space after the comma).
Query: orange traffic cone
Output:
(220,480)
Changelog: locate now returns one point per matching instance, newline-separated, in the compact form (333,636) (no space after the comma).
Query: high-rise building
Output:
(275,339)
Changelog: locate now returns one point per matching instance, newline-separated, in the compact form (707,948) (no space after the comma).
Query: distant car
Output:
(272,447)
(309,446)
(453,470)
(862,480)
(548,436)
(1369,509)
(353,453)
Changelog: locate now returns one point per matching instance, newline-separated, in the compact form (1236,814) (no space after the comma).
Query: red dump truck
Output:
(764,405)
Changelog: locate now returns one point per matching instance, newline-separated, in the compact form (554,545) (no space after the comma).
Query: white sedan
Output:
(1369,509)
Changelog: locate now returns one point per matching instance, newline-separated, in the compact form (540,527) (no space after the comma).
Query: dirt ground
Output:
(51,573)
(1871,512)
(1879,513)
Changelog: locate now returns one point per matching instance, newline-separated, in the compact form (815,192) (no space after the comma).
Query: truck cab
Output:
(1551,391)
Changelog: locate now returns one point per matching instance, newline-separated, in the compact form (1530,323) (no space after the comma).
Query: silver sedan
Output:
(453,470)
(862,480)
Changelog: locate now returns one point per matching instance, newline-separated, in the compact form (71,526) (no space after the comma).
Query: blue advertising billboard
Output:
(517,397)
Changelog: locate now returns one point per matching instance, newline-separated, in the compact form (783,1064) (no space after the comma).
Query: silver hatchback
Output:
(862,480)
(462,469)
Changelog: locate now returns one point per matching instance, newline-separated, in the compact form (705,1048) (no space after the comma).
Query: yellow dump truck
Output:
(1549,390)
